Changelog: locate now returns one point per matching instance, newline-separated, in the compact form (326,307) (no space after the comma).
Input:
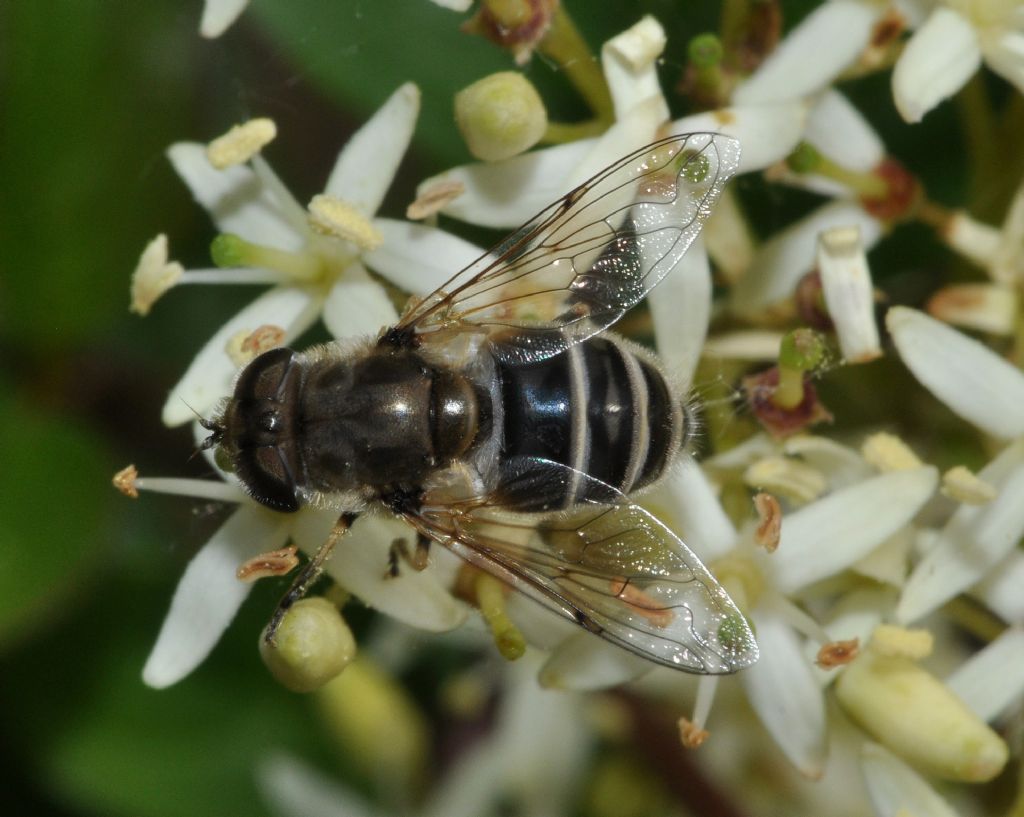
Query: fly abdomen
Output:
(602,407)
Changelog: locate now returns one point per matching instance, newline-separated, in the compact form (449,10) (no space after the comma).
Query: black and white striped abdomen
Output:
(602,407)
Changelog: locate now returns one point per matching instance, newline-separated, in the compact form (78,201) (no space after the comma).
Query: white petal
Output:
(837,129)
(976,538)
(964,374)
(681,308)
(237,199)
(993,678)
(688,504)
(294,789)
(1004,54)
(367,164)
(767,133)
(418,258)
(1000,590)
(509,193)
(789,255)
(585,662)
(453,5)
(1008,259)
(211,373)
(841,464)
(895,788)
(636,128)
(813,54)
(629,62)
(849,293)
(218,15)
(360,565)
(936,62)
(728,237)
(357,307)
(832,533)
(209,595)
(786,696)
(744,344)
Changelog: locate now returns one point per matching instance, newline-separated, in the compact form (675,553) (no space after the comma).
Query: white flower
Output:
(950,46)
(978,543)
(209,593)
(316,258)
(821,539)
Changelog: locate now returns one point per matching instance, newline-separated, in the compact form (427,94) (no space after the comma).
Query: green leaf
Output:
(55,493)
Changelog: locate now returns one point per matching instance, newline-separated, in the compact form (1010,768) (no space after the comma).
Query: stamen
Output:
(196,488)
(788,477)
(769,525)
(245,345)
(887,453)
(274,563)
(490,598)
(124,480)
(332,216)
(890,640)
(838,653)
(241,143)
(433,199)
(961,484)
(153,276)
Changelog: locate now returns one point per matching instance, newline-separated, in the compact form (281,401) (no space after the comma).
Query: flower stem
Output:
(565,45)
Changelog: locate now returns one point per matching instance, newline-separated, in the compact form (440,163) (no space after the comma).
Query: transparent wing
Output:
(610,566)
(580,263)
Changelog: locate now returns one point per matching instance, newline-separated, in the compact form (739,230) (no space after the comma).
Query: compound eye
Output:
(269,479)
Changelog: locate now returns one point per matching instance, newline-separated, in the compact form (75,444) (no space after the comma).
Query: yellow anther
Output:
(241,143)
(332,216)
(153,275)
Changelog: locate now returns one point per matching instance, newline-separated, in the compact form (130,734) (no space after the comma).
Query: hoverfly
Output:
(498,418)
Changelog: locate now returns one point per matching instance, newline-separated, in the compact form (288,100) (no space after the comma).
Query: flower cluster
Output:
(861,557)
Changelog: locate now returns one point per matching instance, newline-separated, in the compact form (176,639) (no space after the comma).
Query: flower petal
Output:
(636,128)
(293,788)
(509,193)
(976,538)
(218,15)
(418,258)
(964,374)
(629,63)
(767,133)
(211,373)
(584,662)
(360,565)
(837,129)
(993,678)
(1000,589)
(786,696)
(849,293)
(832,533)
(367,164)
(238,200)
(1004,54)
(855,615)
(688,504)
(895,788)
(357,307)
(813,54)
(790,254)
(681,309)
(209,595)
(935,63)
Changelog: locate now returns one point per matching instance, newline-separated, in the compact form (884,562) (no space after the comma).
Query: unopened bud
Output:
(312,645)
(500,116)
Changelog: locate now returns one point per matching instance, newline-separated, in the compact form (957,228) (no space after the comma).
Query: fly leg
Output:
(399,552)
(308,575)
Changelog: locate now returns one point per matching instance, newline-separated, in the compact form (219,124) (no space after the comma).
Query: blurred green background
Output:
(91,94)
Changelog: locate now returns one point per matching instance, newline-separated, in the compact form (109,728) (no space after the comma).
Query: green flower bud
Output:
(500,116)
(313,644)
